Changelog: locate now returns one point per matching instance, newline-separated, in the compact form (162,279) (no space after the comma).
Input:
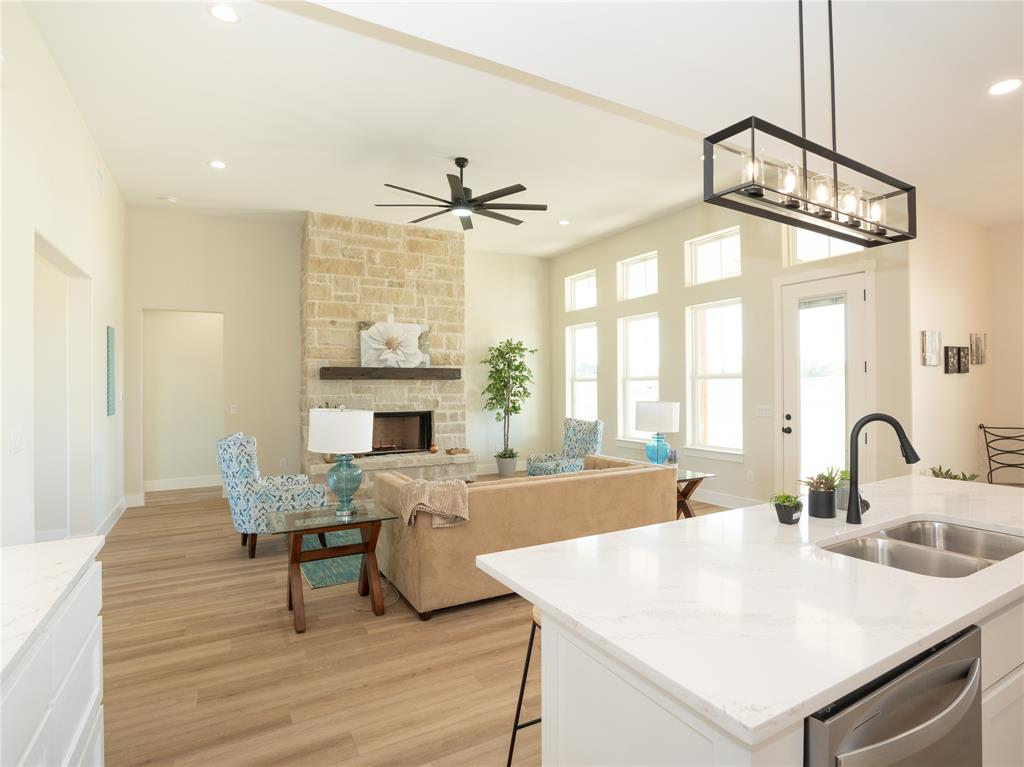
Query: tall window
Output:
(810,246)
(581,291)
(581,372)
(638,370)
(638,276)
(715,369)
(713,257)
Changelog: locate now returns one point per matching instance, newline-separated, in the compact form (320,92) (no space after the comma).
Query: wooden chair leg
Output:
(323,540)
(252,545)
(245,537)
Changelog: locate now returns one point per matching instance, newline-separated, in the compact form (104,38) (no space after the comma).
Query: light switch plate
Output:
(763,411)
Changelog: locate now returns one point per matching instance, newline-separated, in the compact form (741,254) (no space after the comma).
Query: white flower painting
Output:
(393,345)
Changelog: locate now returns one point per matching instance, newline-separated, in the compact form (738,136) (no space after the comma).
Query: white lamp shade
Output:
(343,432)
(657,416)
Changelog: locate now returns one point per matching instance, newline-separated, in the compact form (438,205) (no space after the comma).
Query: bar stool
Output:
(516,726)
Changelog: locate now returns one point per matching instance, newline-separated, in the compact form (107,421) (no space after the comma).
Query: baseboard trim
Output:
(724,499)
(111,520)
(51,535)
(492,467)
(180,483)
(134,499)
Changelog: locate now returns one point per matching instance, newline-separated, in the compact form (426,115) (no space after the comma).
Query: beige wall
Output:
(1006,337)
(50,167)
(246,269)
(763,264)
(183,398)
(507,297)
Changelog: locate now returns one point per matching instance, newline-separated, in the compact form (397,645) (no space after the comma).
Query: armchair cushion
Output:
(580,438)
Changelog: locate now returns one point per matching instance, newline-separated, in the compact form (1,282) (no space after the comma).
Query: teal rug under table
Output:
(331,572)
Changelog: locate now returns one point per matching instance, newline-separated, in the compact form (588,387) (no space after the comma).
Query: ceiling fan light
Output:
(462,211)
(1003,87)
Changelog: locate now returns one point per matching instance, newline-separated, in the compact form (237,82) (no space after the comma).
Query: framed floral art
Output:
(393,345)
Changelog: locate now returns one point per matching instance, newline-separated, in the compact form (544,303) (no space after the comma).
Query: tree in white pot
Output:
(508,381)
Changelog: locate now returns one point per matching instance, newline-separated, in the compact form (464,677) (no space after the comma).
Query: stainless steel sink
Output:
(939,549)
(984,544)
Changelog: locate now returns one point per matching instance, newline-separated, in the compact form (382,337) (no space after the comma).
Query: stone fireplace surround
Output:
(357,269)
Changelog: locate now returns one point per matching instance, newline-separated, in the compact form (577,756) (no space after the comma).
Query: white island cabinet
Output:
(708,641)
(51,682)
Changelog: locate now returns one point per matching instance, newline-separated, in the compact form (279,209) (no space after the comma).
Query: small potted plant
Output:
(508,387)
(821,493)
(843,490)
(787,508)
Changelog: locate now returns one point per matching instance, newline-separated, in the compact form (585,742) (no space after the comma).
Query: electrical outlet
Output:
(17,441)
(233,409)
(750,476)
(283,463)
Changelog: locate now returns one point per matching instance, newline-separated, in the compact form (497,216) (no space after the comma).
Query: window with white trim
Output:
(638,276)
(715,376)
(807,246)
(638,370)
(581,372)
(713,257)
(581,291)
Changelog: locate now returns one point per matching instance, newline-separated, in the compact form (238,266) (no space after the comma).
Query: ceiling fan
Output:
(463,204)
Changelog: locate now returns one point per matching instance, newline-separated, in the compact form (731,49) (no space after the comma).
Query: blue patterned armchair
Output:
(251,496)
(580,438)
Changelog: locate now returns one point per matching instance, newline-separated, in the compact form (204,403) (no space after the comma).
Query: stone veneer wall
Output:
(355,269)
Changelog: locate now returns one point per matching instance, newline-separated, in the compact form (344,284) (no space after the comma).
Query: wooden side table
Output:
(687,483)
(298,523)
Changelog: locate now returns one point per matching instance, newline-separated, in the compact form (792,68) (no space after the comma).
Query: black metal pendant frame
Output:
(754,197)
(759,199)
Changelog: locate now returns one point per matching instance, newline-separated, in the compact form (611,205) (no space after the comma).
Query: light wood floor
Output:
(202,667)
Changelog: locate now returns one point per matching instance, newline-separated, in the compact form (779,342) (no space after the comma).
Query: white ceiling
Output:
(311,116)
(911,77)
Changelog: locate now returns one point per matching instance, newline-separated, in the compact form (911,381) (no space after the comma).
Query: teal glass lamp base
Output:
(344,479)
(657,449)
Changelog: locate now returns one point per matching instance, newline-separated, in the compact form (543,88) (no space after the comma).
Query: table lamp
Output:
(341,432)
(657,417)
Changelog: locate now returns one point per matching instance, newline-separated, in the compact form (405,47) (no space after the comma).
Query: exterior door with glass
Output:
(824,373)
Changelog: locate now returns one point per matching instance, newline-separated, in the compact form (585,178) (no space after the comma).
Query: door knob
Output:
(787,429)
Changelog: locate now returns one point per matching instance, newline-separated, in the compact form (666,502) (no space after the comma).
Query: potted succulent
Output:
(843,490)
(508,380)
(821,493)
(940,473)
(787,508)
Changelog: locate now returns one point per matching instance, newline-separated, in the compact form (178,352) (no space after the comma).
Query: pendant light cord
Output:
(832,77)
(803,94)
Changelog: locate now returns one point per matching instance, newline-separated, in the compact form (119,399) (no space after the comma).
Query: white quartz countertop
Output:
(750,622)
(36,577)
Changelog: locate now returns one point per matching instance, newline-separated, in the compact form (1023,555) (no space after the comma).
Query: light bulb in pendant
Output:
(753,172)
(788,184)
(822,190)
(849,203)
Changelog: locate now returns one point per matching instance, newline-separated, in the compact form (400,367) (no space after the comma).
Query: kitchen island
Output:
(708,641)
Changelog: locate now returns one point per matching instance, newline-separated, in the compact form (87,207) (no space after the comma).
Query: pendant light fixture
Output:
(761,169)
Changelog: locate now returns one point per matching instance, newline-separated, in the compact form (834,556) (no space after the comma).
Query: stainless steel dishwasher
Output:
(925,713)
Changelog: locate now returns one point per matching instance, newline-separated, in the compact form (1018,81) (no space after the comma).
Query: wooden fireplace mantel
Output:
(380,374)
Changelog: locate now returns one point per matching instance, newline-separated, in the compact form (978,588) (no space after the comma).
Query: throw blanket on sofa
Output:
(446,500)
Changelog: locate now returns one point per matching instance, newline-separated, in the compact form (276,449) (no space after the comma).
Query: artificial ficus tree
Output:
(508,380)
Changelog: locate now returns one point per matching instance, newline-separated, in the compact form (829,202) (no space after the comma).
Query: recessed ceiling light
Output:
(218,164)
(224,13)
(1004,86)
(170,198)
(564,222)
(462,212)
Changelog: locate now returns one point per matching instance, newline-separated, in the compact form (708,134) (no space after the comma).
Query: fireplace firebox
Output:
(408,432)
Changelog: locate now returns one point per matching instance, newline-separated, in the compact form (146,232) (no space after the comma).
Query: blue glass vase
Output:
(657,449)
(344,478)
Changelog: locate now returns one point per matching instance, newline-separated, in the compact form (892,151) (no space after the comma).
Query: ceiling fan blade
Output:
(406,205)
(458,193)
(496,216)
(429,215)
(514,189)
(468,191)
(421,194)
(512,206)
(466,221)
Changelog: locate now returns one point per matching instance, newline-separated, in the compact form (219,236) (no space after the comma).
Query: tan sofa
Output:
(435,568)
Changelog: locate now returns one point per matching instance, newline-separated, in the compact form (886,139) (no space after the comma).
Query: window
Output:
(638,370)
(581,291)
(638,276)
(810,246)
(715,368)
(581,372)
(713,257)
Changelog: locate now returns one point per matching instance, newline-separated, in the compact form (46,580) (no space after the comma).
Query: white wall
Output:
(507,297)
(764,261)
(50,349)
(182,398)
(50,166)
(246,269)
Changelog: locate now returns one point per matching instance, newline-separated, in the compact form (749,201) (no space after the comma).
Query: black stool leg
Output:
(516,726)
